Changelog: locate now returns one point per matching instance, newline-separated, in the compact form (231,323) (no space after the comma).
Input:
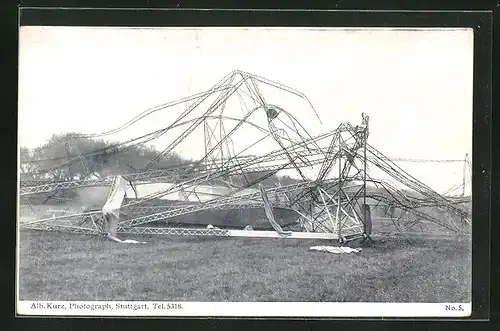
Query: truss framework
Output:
(326,207)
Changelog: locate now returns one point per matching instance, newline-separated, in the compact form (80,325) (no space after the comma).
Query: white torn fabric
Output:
(115,197)
(270,216)
(335,250)
(126,241)
(111,209)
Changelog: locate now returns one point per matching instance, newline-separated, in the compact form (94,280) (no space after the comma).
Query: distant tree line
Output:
(63,157)
(66,157)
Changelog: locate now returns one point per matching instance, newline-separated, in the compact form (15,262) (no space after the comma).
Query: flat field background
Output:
(61,266)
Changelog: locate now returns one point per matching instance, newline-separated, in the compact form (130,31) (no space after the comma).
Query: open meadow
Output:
(61,266)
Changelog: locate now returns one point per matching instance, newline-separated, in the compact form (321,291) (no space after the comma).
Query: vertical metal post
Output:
(365,140)
(313,227)
(364,182)
(337,216)
(206,133)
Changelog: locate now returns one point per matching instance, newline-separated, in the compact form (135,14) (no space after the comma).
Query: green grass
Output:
(59,266)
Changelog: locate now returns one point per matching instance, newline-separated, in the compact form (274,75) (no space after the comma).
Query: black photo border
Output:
(481,21)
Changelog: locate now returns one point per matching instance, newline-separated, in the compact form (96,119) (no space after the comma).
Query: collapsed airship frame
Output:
(224,192)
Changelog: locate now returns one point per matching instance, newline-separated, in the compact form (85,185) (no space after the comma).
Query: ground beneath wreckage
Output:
(59,266)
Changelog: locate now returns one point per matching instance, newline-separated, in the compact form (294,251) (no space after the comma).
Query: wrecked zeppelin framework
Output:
(335,203)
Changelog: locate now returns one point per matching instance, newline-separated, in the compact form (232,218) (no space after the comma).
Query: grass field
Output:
(59,266)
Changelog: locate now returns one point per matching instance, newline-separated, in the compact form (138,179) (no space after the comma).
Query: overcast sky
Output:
(416,86)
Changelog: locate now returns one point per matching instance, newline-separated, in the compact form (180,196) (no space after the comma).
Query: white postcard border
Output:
(242,309)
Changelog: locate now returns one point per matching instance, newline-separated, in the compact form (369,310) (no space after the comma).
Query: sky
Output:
(416,85)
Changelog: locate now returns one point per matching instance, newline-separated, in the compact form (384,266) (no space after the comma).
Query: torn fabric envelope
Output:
(335,249)
(126,241)
(115,197)
(111,209)
(270,216)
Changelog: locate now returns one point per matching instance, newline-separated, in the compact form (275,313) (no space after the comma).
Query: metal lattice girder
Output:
(66,218)
(35,182)
(171,174)
(345,222)
(413,183)
(226,233)
(232,198)
(231,202)
(249,164)
(221,98)
(343,146)
(453,200)
(186,185)
(60,228)
(146,210)
(279,154)
(413,211)
(192,232)
(33,187)
(27,189)
(173,231)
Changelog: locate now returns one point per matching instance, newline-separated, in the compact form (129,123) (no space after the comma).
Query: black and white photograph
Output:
(246,171)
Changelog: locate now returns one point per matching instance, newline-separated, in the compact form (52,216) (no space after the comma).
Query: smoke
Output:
(91,197)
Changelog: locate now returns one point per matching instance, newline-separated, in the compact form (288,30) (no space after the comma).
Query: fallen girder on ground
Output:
(61,228)
(194,232)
